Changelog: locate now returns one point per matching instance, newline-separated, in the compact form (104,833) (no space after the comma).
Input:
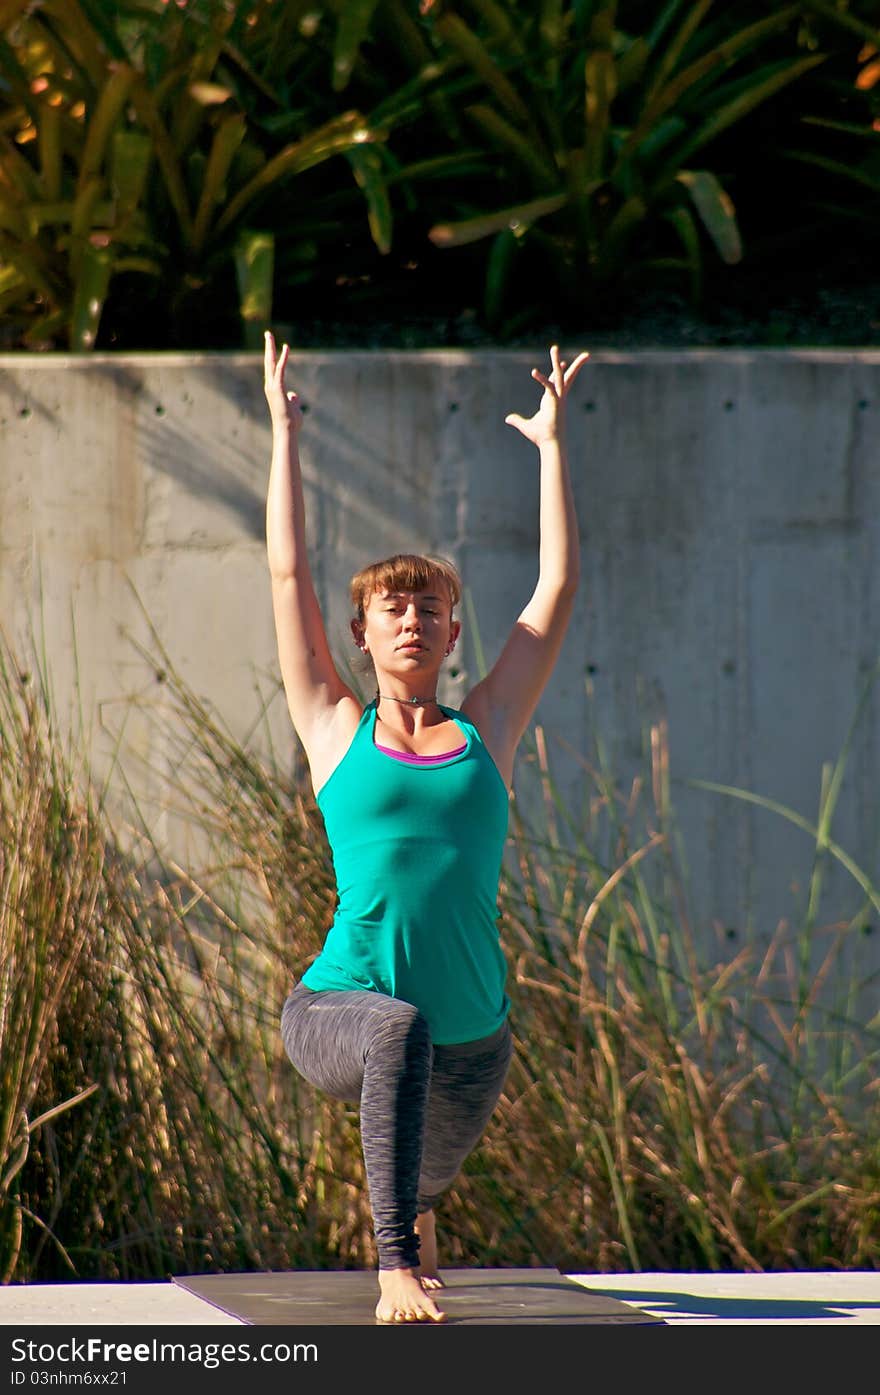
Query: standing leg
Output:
(376,1050)
(466,1082)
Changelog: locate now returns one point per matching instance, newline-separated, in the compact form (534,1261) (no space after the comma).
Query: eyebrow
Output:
(398,595)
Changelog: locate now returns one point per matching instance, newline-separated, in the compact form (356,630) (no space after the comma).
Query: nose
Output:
(411,617)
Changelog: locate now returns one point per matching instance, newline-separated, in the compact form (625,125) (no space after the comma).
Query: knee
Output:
(402,1033)
(430,1200)
(433,1187)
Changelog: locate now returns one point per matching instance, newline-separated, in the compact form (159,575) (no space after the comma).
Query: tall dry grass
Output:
(51,872)
(662,1112)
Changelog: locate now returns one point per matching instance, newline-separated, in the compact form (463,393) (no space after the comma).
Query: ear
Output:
(454,631)
(357,629)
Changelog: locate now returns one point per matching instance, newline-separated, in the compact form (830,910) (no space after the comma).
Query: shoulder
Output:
(458,713)
(472,716)
(493,731)
(332,735)
(479,709)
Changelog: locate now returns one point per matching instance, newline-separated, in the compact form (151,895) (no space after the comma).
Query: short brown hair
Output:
(405,571)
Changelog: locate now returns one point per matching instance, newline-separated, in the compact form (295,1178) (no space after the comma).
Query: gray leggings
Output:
(423,1108)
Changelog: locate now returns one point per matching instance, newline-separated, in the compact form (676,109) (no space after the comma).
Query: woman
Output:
(405,1010)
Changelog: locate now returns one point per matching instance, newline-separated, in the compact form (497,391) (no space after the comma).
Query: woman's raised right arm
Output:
(312,683)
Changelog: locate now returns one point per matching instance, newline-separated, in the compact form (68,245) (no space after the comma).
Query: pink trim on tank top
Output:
(420,760)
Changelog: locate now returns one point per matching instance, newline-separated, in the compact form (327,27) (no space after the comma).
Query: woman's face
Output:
(409,631)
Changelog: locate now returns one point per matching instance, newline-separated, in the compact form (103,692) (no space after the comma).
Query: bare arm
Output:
(504,701)
(312,684)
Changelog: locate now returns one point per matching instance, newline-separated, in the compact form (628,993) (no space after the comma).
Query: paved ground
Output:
(813,1299)
(780,1300)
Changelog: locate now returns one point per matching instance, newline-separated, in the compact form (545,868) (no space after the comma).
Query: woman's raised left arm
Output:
(503,702)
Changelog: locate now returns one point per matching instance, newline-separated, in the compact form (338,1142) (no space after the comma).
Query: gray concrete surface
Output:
(803,1299)
(729,505)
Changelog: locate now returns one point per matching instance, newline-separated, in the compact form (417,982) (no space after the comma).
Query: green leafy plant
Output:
(602,115)
(141,142)
(834,146)
(169,174)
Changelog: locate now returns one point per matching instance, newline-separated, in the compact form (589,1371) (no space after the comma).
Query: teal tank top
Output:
(417,855)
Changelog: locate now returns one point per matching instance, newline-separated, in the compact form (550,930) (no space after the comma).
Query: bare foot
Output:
(404,1300)
(427,1232)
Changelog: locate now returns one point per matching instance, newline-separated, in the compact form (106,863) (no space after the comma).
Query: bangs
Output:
(406,571)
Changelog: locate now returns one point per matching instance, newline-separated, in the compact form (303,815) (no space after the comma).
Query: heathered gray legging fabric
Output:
(423,1108)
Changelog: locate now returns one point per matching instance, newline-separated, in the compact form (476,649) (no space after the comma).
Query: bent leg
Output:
(369,1048)
(466,1082)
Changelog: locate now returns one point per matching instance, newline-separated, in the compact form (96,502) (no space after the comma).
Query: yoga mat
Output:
(472,1297)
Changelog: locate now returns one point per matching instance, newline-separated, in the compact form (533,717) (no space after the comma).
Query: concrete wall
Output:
(729,506)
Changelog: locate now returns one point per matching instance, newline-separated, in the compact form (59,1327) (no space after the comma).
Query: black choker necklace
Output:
(410,702)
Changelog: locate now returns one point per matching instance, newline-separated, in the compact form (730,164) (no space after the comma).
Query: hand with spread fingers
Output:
(547,423)
(284,405)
